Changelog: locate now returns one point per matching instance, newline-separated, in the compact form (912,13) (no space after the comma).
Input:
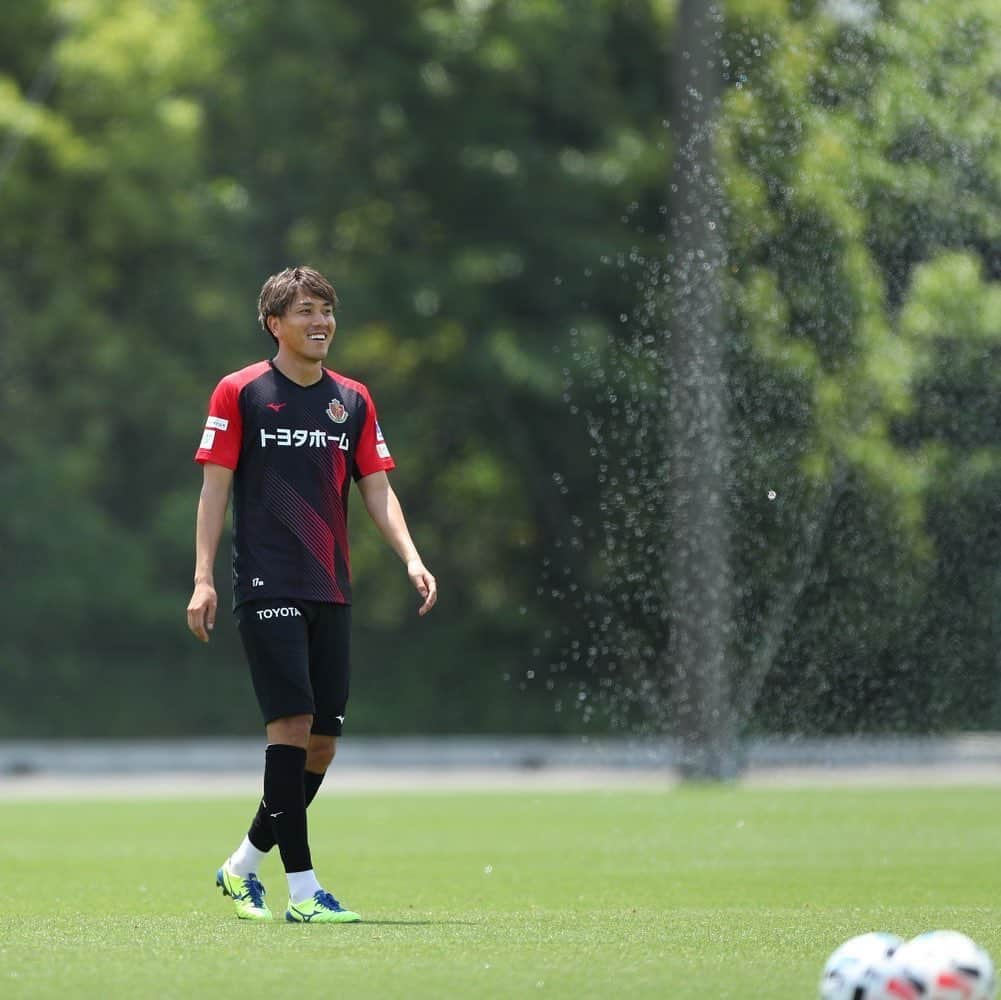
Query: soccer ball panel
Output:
(850,970)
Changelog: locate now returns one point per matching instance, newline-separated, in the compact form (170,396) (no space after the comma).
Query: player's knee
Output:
(292,730)
(320,753)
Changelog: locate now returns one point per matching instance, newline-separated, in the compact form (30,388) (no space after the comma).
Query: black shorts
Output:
(300,659)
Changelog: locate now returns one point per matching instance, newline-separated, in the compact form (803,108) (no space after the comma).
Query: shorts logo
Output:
(337,412)
(267,613)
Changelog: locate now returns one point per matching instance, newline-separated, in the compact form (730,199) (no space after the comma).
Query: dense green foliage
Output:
(866,254)
(726,893)
(487,184)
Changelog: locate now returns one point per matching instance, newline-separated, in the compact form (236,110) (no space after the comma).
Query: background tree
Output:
(108,231)
(484,181)
(825,154)
(448,168)
(832,206)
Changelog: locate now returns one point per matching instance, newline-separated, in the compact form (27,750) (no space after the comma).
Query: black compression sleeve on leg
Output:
(260,834)
(285,803)
(312,782)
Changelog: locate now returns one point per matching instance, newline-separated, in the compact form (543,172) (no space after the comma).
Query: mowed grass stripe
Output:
(693,893)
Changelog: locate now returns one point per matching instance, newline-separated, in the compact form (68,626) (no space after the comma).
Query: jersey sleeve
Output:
(372,453)
(223,434)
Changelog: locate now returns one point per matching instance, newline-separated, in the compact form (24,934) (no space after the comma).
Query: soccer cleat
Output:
(247,893)
(321,909)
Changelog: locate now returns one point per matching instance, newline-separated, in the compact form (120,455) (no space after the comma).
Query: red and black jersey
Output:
(294,450)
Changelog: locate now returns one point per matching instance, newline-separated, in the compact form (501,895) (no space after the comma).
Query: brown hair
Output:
(280,290)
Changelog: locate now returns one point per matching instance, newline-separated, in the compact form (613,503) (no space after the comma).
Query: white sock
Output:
(302,885)
(246,859)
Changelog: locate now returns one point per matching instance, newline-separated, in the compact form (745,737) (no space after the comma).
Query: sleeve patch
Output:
(207,438)
(382,451)
(218,423)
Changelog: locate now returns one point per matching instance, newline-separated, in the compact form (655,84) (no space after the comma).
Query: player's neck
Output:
(301,372)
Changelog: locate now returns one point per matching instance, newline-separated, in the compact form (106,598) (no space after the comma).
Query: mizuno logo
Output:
(277,407)
(277,814)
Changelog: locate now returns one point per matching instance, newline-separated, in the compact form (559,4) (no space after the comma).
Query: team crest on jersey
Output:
(337,412)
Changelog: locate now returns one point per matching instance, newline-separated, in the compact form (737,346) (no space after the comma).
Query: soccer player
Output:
(286,437)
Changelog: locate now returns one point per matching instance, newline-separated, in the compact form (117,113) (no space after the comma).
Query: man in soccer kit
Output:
(286,437)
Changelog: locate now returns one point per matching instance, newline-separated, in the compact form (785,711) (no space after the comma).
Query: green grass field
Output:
(690,893)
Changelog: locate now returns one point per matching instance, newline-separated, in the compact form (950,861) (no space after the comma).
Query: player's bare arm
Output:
(384,508)
(216,484)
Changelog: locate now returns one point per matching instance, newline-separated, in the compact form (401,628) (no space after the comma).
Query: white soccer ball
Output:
(887,982)
(945,965)
(853,966)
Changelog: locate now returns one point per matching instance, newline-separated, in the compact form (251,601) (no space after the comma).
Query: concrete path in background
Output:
(415,781)
(42,770)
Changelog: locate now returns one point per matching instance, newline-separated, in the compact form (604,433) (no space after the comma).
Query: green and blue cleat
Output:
(247,893)
(322,908)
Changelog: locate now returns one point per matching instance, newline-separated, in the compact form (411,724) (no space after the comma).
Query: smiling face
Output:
(295,307)
(306,328)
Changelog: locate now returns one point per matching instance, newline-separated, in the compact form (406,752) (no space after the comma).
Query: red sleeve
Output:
(372,453)
(223,432)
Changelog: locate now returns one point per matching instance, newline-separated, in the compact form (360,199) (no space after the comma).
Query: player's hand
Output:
(201,611)
(425,584)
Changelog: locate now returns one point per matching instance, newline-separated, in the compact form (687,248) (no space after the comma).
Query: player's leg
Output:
(275,639)
(324,647)
(330,669)
(260,837)
(320,753)
(330,677)
(285,800)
